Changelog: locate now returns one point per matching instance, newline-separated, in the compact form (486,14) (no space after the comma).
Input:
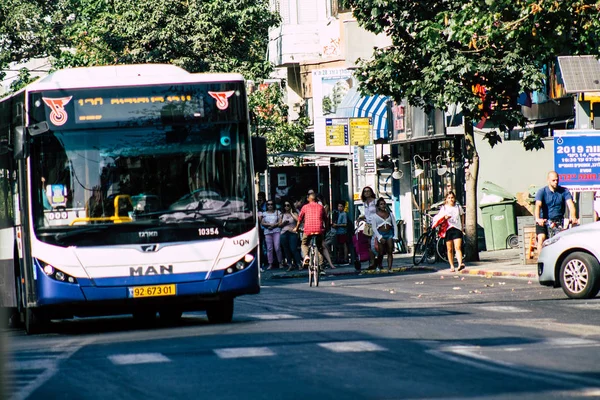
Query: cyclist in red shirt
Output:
(314,217)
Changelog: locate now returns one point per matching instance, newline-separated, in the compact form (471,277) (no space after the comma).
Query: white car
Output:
(570,260)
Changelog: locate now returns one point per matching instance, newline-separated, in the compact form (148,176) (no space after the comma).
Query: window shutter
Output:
(307,11)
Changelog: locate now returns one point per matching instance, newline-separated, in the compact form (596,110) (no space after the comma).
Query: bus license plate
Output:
(152,291)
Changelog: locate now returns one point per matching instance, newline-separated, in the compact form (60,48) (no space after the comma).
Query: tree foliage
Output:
(197,35)
(481,54)
(443,49)
(270,120)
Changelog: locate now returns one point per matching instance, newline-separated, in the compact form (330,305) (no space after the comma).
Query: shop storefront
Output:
(430,164)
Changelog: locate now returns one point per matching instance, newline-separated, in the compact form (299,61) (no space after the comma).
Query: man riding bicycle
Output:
(550,208)
(314,217)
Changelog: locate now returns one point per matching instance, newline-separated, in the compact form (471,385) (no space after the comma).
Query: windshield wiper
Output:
(60,237)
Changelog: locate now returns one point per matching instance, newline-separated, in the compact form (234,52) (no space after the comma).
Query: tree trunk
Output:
(471,174)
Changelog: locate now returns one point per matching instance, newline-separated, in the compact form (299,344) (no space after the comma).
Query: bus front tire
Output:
(220,312)
(35,321)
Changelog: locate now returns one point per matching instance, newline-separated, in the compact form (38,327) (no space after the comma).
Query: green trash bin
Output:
(499,225)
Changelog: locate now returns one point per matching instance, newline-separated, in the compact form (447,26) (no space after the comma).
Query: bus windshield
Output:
(161,183)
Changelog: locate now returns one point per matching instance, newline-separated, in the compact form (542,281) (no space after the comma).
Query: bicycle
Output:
(554,227)
(442,250)
(313,262)
(400,245)
(425,248)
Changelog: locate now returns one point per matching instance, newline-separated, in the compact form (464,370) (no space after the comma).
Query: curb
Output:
(483,272)
(354,272)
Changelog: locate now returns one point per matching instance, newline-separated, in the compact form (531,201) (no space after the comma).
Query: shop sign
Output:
(370,159)
(336,131)
(577,159)
(360,131)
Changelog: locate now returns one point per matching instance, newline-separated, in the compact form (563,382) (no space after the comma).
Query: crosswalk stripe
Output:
(140,358)
(347,347)
(273,316)
(510,309)
(244,352)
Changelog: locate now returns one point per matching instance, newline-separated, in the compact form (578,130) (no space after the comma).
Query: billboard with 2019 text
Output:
(577,159)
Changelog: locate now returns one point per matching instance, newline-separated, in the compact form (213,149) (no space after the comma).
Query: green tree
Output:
(443,50)
(270,120)
(197,35)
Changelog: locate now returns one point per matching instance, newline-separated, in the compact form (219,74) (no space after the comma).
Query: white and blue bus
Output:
(126,190)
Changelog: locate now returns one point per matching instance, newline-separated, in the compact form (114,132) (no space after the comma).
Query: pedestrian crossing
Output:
(28,370)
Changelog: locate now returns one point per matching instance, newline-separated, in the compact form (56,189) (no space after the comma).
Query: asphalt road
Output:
(401,336)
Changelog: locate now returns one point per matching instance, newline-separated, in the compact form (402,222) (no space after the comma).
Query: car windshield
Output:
(188,177)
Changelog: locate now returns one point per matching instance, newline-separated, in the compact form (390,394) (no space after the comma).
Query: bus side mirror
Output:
(259,153)
(19,143)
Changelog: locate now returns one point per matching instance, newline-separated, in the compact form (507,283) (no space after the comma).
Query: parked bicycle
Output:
(442,250)
(425,248)
(400,244)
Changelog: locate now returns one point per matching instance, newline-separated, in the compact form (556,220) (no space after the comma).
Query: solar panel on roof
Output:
(580,73)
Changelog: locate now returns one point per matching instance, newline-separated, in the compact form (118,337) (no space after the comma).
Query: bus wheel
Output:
(220,312)
(35,321)
(170,316)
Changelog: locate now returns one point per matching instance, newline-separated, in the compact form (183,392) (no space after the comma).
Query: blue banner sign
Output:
(577,159)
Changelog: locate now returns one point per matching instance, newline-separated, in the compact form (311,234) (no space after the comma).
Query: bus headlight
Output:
(53,273)
(241,264)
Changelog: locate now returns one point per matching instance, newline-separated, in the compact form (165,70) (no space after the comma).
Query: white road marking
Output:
(273,316)
(570,342)
(244,352)
(506,309)
(348,347)
(140,358)
(25,387)
(585,306)
(470,355)
(546,324)
(335,314)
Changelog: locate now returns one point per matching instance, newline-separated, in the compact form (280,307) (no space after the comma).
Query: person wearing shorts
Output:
(453,213)
(550,204)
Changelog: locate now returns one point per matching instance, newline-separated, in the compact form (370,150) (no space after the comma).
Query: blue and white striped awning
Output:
(375,107)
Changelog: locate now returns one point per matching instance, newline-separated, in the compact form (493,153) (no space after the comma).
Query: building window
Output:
(282,7)
(307,11)
(337,7)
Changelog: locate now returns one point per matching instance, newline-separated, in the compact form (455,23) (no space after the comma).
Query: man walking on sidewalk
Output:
(550,204)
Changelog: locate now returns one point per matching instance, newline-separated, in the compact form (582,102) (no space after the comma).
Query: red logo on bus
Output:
(58,115)
(221,98)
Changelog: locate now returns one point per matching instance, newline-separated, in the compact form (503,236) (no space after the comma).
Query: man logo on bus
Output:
(58,115)
(221,98)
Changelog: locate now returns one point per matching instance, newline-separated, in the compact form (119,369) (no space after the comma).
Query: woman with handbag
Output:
(454,215)
(369,207)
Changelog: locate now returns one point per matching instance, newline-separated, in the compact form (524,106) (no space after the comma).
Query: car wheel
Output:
(579,276)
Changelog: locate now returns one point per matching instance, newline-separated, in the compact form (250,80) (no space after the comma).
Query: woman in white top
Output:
(271,221)
(369,208)
(385,233)
(453,213)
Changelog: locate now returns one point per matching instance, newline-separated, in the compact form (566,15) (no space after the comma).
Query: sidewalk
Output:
(506,263)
